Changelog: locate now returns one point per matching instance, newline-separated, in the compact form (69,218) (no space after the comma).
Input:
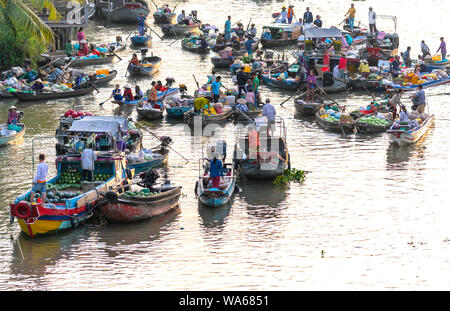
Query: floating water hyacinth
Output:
(288,176)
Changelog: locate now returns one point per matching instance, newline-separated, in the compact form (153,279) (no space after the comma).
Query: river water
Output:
(368,215)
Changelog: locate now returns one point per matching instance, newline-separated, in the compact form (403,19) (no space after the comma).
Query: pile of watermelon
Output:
(143,193)
(76,114)
(69,180)
(102,177)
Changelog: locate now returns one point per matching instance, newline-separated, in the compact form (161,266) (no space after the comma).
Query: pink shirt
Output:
(80,35)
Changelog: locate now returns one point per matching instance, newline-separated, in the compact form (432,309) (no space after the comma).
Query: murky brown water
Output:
(368,216)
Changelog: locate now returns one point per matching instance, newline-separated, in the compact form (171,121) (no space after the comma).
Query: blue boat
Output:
(178,112)
(158,158)
(141,40)
(281,84)
(424,85)
(213,196)
(161,95)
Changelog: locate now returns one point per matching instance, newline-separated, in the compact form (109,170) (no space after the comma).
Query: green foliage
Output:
(288,176)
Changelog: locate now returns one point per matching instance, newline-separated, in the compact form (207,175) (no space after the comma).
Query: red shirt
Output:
(326,59)
(128,95)
(342,63)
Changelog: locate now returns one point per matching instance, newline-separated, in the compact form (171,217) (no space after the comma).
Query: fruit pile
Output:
(142,193)
(373,120)
(76,114)
(102,177)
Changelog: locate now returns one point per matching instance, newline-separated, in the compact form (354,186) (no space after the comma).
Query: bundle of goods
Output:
(75,114)
(144,155)
(378,120)
(142,193)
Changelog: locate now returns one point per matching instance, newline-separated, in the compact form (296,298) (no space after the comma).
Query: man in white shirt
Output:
(40,180)
(88,157)
(181,17)
(372,20)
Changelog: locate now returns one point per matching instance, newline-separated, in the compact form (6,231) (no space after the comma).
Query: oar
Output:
(50,63)
(155,5)
(105,100)
(112,52)
(245,115)
(91,83)
(129,34)
(159,138)
(293,95)
(176,6)
(174,41)
(153,31)
(198,86)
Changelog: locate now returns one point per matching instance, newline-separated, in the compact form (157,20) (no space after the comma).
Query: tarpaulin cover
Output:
(323,33)
(99,124)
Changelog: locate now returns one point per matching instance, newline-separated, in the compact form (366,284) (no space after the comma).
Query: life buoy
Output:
(22,210)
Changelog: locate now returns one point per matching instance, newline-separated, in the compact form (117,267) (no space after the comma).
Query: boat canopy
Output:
(99,124)
(282,27)
(332,32)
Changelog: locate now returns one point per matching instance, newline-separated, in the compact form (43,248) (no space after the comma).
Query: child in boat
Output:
(116,93)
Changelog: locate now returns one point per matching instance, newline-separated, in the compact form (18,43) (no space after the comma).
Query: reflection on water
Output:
(363,201)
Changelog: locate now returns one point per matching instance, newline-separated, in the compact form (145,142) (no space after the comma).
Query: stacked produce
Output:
(102,177)
(141,193)
(76,114)
(374,120)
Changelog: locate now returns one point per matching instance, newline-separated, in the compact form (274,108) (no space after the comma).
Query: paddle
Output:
(198,86)
(155,5)
(245,115)
(153,31)
(174,41)
(105,100)
(129,34)
(293,95)
(112,52)
(50,63)
(91,83)
(159,138)
(176,6)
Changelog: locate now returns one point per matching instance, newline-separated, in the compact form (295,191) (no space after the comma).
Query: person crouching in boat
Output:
(269,112)
(364,69)
(242,105)
(40,180)
(419,100)
(37,86)
(127,93)
(404,116)
(84,48)
(134,60)
(202,102)
(117,93)
(311,85)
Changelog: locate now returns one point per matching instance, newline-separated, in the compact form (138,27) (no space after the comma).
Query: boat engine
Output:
(327,79)
(143,53)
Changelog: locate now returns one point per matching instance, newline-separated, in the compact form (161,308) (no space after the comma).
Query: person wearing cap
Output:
(249,46)
(308,18)
(372,20)
(351,15)
(283,15)
(84,48)
(252,31)
(228,28)
(127,93)
(290,14)
(37,86)
(13,119)
(364,68)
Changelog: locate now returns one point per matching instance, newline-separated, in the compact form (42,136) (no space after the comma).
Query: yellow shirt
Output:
(351,12)
(364,67)
(200,102)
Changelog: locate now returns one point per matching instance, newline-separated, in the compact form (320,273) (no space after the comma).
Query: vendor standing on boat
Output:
(215,171)
(372,20)
(215,89)
(419,100)
(80,35)
(241,78)
(269,112)
(283,15)
(88,158)
(40,180)
(308,18)
(134,60)
(407,57)
(141,24)
(394,102)
(442,48)
(425,49)
(249,46)
(228,29)
(311,85)
(290,14)
(351,16)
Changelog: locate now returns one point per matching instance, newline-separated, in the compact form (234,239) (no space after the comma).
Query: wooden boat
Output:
(123,11)
(178,30)
(90,125)
(212,196)
(152,201)
(102,80)
(220,62)
(281,84)
(262,156)
(164,18)
(424,85)
(335,126)
(194,49)
(282,34)
(78,202)
(11,138)
(366,128)
(138,40)
(307,108)
(330,84)
(169,93)
(178,112)
(403,136)
(158,160)
(151,114)
(192,117)
(249,115)
(363,84)
(147,67)
(52,95)
(82,61)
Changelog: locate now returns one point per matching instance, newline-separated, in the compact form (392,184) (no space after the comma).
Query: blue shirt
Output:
(216,169)
(420,96)
(215,86)
(228,25)
(141,20)
(248,44)
(269,112)
(267,36)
